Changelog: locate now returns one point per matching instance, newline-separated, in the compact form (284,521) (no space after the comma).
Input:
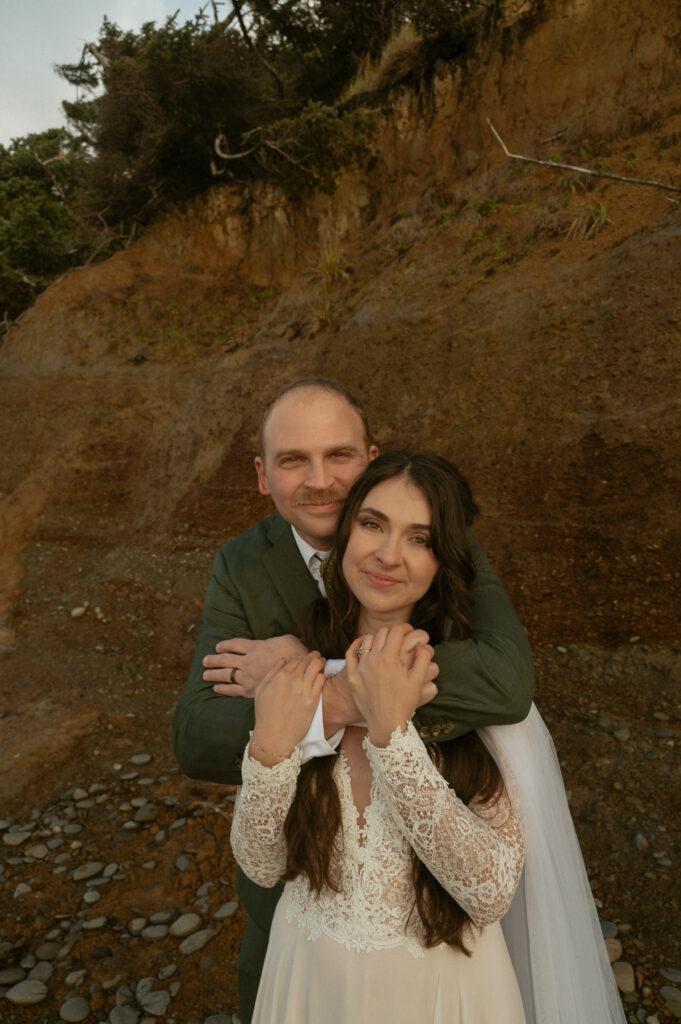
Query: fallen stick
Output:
(580,170)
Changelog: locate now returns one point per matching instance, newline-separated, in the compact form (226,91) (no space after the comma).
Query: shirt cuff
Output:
(314,743)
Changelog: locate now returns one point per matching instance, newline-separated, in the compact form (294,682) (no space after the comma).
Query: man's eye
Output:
(341,455)
(290,460)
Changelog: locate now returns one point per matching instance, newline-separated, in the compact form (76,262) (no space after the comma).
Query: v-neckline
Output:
(360,830)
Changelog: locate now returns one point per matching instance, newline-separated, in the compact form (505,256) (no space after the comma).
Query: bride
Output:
(399,860)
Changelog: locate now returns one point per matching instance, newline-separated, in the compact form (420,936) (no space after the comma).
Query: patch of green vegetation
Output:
(488,207)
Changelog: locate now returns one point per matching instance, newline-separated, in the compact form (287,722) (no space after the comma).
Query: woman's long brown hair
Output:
(313,824)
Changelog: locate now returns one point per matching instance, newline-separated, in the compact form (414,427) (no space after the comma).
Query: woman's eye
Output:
(422,541)
(370,524)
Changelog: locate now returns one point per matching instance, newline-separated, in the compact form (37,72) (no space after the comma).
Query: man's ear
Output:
(373,452)
(262,479)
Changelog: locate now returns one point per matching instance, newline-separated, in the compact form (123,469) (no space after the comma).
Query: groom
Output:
(314,443)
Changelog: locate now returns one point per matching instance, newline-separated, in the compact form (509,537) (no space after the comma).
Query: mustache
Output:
(309,497)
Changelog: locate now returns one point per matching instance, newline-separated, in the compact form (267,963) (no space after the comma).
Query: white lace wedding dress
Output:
(354,955)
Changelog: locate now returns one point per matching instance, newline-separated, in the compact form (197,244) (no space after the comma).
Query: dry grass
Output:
(400,55)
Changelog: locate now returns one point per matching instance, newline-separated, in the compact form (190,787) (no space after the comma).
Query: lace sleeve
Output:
(262,803)
(475,852)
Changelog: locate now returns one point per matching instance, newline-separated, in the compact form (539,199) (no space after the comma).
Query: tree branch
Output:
(579,170)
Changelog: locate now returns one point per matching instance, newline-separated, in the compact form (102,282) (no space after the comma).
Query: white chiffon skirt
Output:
(323,982)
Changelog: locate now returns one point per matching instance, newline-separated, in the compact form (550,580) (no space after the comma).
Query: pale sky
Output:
(37,34)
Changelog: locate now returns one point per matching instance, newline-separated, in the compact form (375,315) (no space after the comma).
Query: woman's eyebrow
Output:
(384,518)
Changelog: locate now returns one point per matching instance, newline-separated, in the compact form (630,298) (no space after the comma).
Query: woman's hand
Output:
(285,703)
(387,682)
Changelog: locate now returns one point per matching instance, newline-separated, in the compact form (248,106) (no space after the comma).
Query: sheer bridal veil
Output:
(551,929)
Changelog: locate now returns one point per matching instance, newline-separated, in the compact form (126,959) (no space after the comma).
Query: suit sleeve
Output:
(210,732)
(487,679)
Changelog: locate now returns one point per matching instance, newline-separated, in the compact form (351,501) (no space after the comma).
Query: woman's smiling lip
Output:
(377,580)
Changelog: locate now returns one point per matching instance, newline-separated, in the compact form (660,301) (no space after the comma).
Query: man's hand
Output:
(251,659)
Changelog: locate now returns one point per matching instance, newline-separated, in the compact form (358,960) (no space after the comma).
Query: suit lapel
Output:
(288,571)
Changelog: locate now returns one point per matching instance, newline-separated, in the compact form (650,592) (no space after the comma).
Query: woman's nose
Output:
(388,551)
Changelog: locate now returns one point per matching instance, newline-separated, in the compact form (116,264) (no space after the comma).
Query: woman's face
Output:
(389,563)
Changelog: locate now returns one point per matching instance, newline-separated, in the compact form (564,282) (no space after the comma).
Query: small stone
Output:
(87,870)
(149,865)
(640,841)
(154,932)
(226,911)
(197,941)
(183,862)
(624,976)
(110,870)
(614,948)
(94,923)
(167,972)
(139,759)
(143,987)
(137,924)
(185,925)
(75,978)
(37,852)
(74,1009)
(147,814)
(110,983)
(21,890)
(623,734)
(15,839)
(91,896)
(156,1003)
(27,961)
(174,988)
(41,972)
(72,829)
(27,993)
(608,929)
(161,917)
(178,823)
(79,794)
(11,975)
(671,974)
(123,1015)
(78,613)
(47,951)
(670,994)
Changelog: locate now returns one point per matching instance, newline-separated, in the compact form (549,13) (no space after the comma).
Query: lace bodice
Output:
(475,852)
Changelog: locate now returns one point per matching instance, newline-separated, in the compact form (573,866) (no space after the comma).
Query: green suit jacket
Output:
(261,588)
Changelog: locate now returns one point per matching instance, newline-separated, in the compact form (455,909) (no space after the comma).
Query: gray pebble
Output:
(609,929)
(129,776)
(21,890)
(143,987)
(640,841)
(47,951)
(156,1002)
(671,994)
(124,996)
(167,972)
(161,917)
(136,925)
(27,993)
(110,870)
(226,910)
(622,734)
(11,975)
(74,1009)
(75,977)
(41,972)
(87,870)
(72,829)
(94,923)
(624,976)
(183,862)
(15,839)
(139,759)
(147,814)
(123,1015)
(671,974)
(154,932)
(160,836)
(174,988)
(178,823)
(37,852)
(185,925)
(197,941)
(28,960)
(91,896)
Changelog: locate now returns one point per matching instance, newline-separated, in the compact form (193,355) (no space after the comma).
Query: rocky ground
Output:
(117,894)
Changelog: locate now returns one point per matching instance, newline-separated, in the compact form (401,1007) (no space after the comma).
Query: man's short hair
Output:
(321,384)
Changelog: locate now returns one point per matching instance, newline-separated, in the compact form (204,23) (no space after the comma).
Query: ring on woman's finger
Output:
(232,676)
(362,650)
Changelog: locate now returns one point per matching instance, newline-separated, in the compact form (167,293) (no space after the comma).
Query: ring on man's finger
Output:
(232,676)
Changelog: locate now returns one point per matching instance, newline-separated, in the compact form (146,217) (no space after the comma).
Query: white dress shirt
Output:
(315,743)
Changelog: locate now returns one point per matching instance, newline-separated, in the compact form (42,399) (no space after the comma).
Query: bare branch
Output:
(97,54)
(232,156)
(236,4)
(579,170)
(44,163)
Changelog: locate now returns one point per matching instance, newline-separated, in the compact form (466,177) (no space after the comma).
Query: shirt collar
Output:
(306,550)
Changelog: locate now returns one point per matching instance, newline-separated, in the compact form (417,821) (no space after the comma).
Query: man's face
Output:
(314,450)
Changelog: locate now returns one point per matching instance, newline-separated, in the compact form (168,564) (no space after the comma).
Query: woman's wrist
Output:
(269,752)
(380,733)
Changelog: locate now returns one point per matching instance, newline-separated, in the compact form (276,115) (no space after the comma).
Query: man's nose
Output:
(319,475)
